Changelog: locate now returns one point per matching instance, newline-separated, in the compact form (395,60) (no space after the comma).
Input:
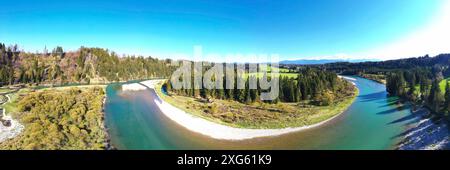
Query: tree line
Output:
(86,65)
(421,87)
(316,86)
(418,80)
(415,79)
(385,67)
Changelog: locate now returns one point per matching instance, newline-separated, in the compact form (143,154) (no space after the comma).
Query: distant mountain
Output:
(324,61)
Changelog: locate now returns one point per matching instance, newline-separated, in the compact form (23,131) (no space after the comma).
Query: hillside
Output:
(85,65)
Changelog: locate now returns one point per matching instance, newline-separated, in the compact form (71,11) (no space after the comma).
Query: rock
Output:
(6,123)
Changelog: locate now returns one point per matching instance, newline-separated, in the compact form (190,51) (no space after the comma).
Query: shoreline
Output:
(108,145)
(14,129)
(426,133)
(381,81)
(209,128)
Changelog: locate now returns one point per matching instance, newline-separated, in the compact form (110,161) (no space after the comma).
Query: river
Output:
(373,121)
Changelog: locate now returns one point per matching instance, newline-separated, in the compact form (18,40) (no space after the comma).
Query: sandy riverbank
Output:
(349,79)
(212,129)
(134,87)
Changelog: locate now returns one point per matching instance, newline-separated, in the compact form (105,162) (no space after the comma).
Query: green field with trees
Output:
(433,93)
(425,84)
(310,97)
(260,115)
(319,86)
(421,80)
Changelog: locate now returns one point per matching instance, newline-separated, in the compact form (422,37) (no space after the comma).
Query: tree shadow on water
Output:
(390,111)
(413,118)
(403,119)
(390,102)
(414,126)
(373,96)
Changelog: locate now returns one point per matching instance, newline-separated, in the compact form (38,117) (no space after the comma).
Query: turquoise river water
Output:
(373,121)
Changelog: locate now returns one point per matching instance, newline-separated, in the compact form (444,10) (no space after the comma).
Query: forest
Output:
(421,87)
(422,80)
(320,87)
(85,65)
(384,67)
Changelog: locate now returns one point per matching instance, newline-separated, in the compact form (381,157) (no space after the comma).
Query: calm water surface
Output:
(373,121)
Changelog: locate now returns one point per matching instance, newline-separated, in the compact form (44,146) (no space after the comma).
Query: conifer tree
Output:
(435,99)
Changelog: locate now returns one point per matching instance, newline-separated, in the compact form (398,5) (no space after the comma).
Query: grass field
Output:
(443,83)
(11,106)
(258,114)
(281,70)
(260,75)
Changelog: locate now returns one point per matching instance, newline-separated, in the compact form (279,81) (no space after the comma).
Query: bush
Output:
(70,119)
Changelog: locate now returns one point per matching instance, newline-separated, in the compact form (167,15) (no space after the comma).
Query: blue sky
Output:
(293,29)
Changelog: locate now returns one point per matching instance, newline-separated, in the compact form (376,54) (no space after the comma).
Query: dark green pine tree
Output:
(395,84)
(226,91)
(203,92)
(168,87)
(281,89)
(297,94)
(254,92)
(434,99)
(292,90)
(423,88)
(248,98)
(220,94)
(411,90)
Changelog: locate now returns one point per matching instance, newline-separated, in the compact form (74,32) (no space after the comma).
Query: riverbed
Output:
(373,121)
